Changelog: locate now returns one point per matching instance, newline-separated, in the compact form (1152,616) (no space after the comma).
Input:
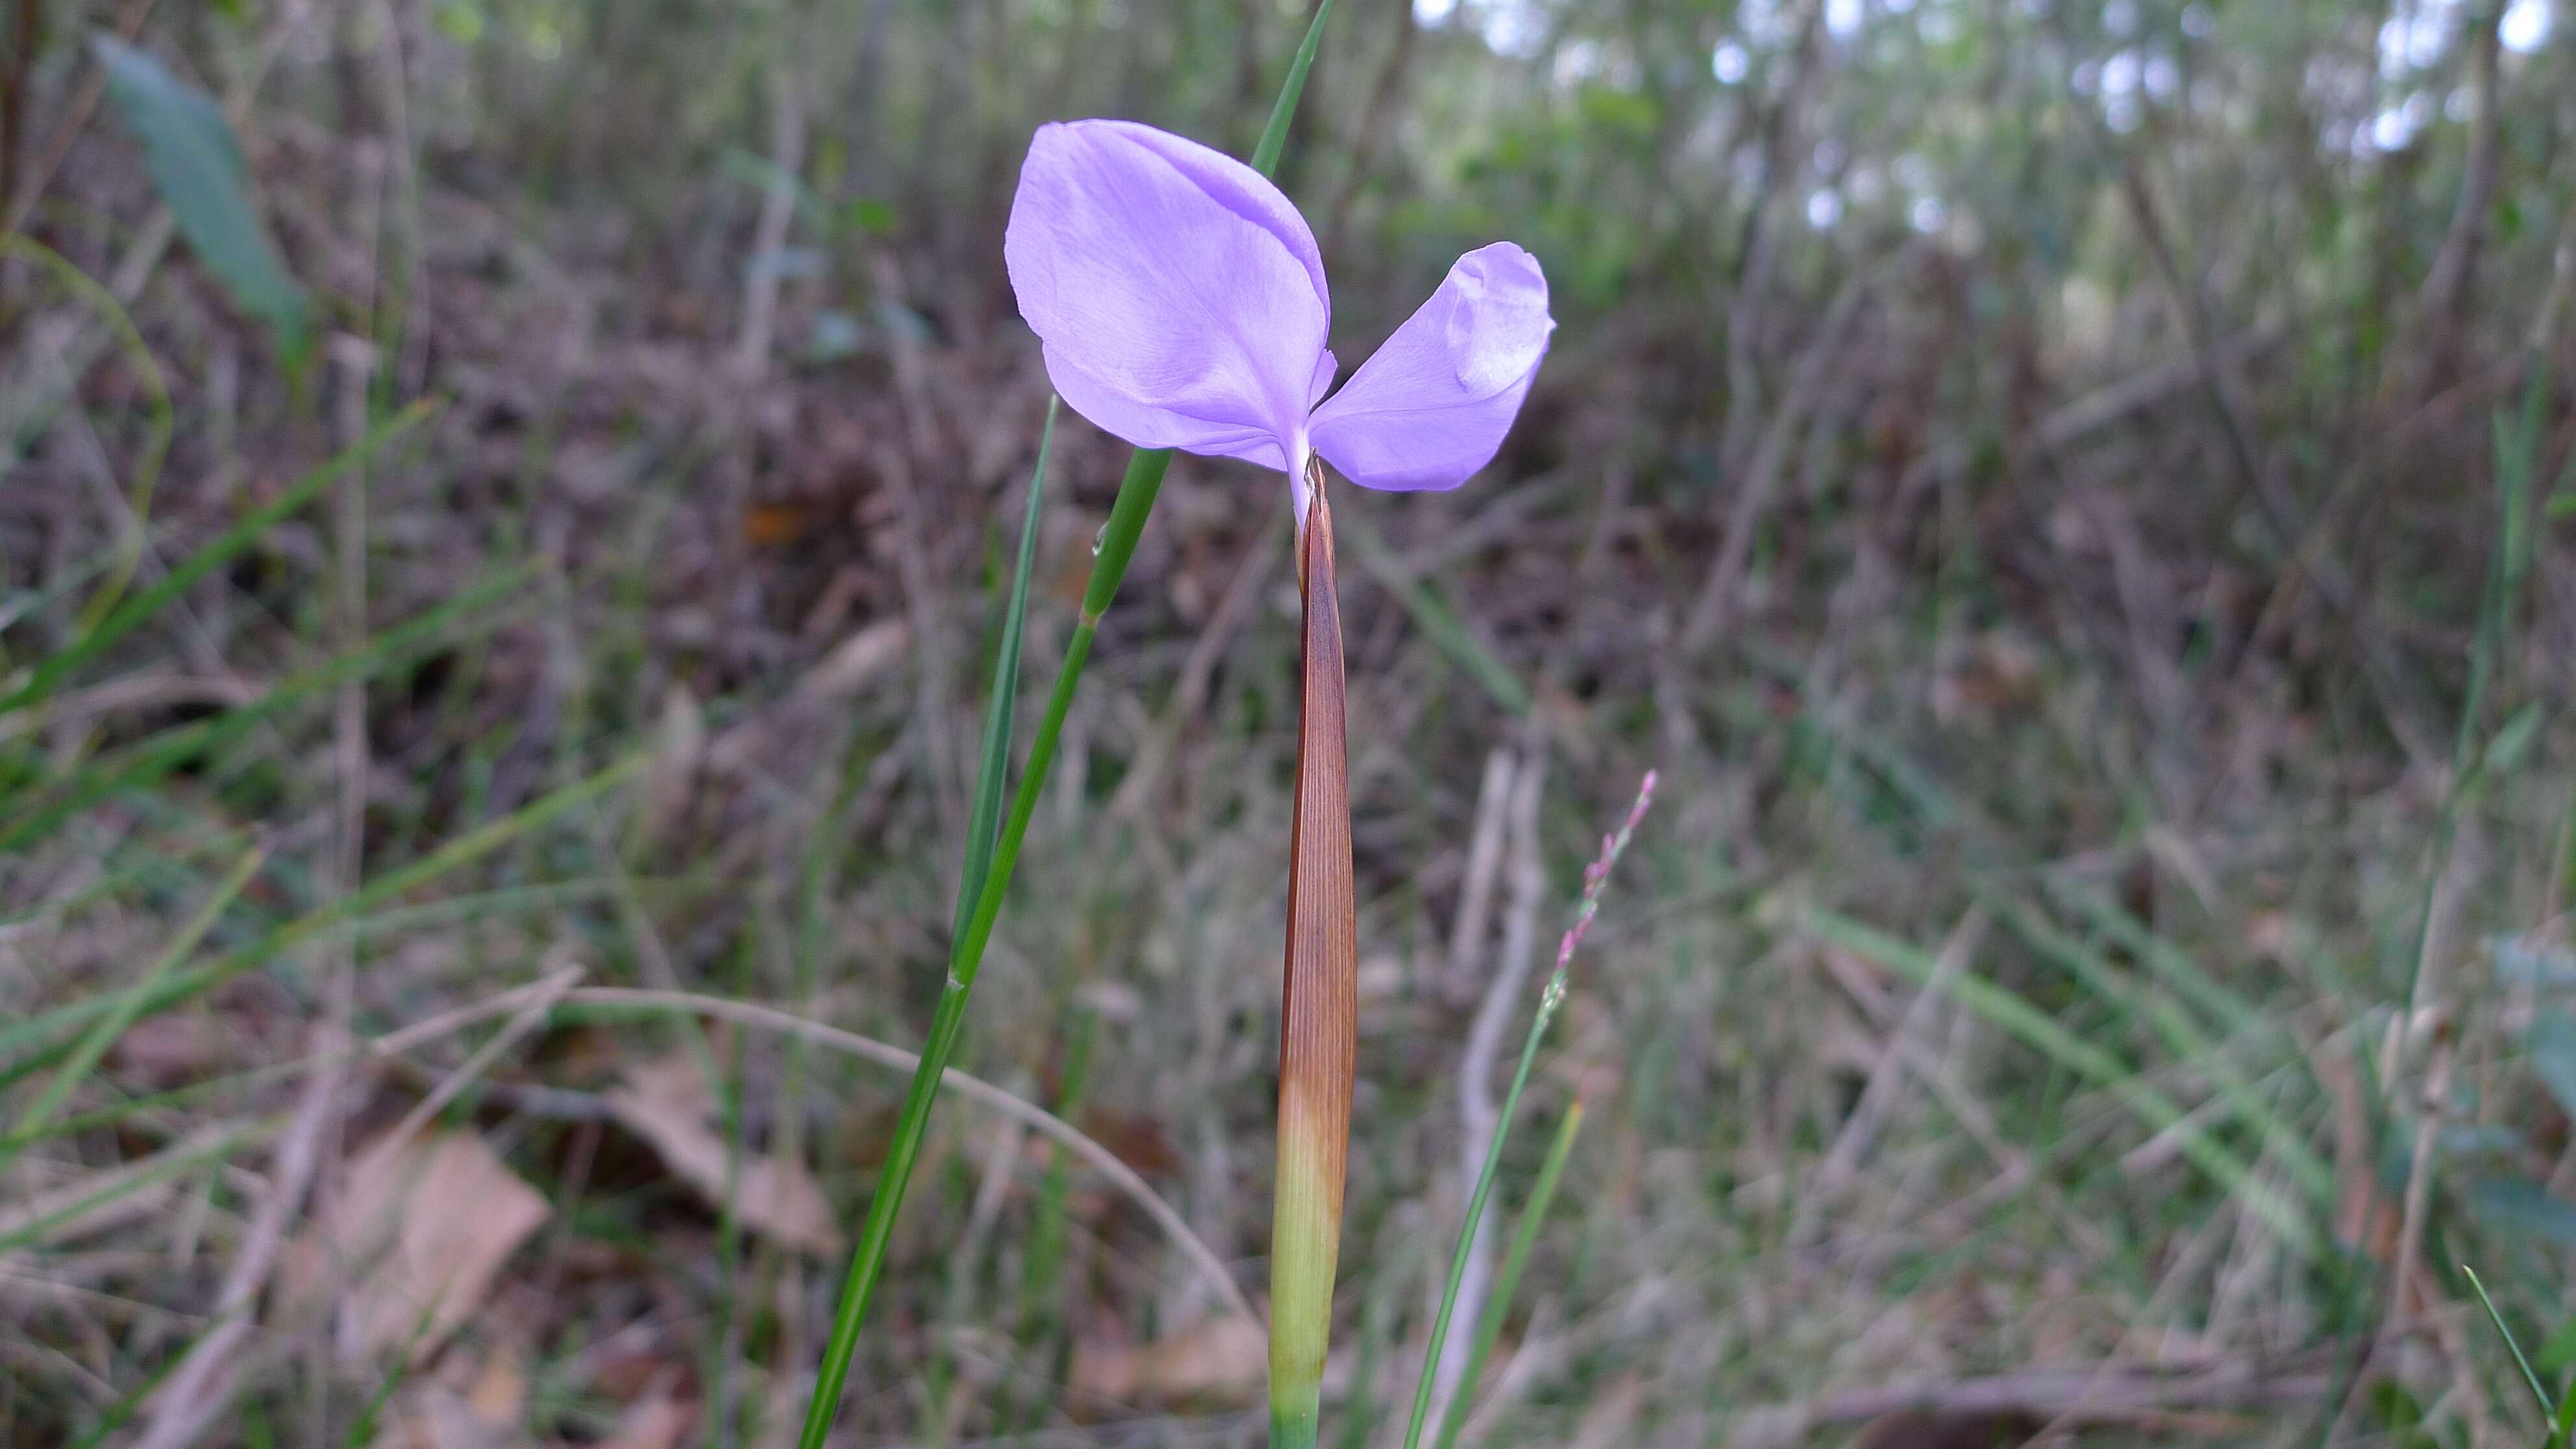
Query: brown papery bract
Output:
(1320,997)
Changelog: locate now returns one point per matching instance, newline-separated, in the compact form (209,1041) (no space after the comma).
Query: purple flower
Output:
(1182,304)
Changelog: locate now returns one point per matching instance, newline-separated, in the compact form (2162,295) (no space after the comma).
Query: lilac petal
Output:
(1179,294)
(1434,403)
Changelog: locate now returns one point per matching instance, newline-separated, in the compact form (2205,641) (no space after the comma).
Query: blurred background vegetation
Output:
(2073,496)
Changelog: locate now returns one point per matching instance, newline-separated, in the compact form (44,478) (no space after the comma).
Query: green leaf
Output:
(249,530)
(459,22)
(2522,1207)
(2529,1378)
(2552,1045)
(985,823)
(2512,741)
(1507,1280)
(127,1006)
(197,166)
(1274,135)
(2560,1351)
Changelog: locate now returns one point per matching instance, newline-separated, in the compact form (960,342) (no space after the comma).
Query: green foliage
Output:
(2523,1208)
(2551,1042)
(196,162)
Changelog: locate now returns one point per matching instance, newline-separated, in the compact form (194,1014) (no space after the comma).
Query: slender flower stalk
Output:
(1319,1008)
(1595,877)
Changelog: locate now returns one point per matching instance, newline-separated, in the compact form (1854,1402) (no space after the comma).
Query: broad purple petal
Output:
(1179,294)
(1434,403)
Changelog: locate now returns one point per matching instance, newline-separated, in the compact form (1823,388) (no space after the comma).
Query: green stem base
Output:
(1295,1427)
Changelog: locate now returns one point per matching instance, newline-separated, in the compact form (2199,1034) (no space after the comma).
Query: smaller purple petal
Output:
(1434,403)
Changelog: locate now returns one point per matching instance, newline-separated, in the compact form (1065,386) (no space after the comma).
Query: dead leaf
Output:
(667,1103)
(770,525)
(161,1051)
(1935,1429)
(420,1232)
(856,661)
(1224,1359)
(500,1392)
(433,1416)
(663,792)
(655,1421)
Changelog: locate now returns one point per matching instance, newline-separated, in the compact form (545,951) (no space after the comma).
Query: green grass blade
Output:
(867,1261)
(1476,1210)
(2221,1003)
(985,821)
(161,1169)
(1136,493)
(2539,1395)
(2042,1033)
(161,419)
(127,1005)
(149,759)
(2184,1036)
(117,1415)
(212,556)
(1274,135)
(26,1036)
(1436,619)
(1507,1278)
(1594,878)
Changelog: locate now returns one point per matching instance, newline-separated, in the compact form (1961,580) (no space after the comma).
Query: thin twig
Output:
(1842,1159)
(777,209)
(1484,866)
(1107,1163)
(1479,1115)
(202,1385)
(2102,1394)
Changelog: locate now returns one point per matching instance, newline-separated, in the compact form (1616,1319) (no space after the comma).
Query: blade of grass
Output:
(2515,451)
(24,1036)
(2042,1033)
(1507,1278)
(168,1163)
(2191,1045)
(1594,878)
(2539,1395)
(2219,1002)
(162,417)
(984,822)
(135,611)
(1274,132)
(1438,621)
(1127,514)
(602,1002)
(966,952)
(149,759)
(127,1006)
(117,1415)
